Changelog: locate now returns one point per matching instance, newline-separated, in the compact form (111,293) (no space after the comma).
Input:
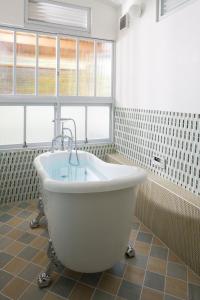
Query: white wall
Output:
(104,16)
(158,63)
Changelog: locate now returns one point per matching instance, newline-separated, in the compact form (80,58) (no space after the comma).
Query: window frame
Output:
(161,17)
(31,23)
(57,101)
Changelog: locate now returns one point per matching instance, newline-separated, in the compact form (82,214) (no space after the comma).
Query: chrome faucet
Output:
(71,141)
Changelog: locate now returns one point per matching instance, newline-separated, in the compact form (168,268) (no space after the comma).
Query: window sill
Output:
(16,148)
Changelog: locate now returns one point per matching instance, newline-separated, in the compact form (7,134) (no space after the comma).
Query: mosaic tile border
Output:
(18,178)
(141,134)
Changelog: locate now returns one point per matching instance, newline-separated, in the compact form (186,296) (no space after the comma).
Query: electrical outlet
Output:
(159,162)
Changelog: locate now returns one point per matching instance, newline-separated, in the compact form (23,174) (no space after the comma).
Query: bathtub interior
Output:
(89,169)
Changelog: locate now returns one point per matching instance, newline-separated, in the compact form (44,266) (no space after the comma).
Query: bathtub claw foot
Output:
(44,280)
(130,252)
(35,223)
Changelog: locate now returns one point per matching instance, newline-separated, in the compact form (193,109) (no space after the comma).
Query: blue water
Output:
(63,171)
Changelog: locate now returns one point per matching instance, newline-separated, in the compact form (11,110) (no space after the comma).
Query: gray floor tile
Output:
(118,269)
(30,272)
(194,292)
(5,208)
(139,261)
(5,229)
(26,238)
(91,279)
(4,242)
(63,286)
(99,295)
(159,252)
(144,237)
(2,297)
(60,269)
(28,253)
(169,297)
(45,234)
(177,270)
(129,291)
(4,259)
(5,218)
(154,281)
(33,293)
(24,225)
(23,205)
(24,214)
(4,278)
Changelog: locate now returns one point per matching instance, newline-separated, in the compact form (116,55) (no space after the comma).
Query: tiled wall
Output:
(141,134)
(18,179)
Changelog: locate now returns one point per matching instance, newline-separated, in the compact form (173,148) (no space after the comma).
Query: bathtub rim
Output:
(138,176)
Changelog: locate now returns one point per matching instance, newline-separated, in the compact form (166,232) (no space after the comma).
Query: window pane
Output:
(86,68)
(103,69)
(51,13)
(39,126)
(98,122)
(11,125)
(25,63)
(68,67)
(47,65)
(78,114)
(6,61)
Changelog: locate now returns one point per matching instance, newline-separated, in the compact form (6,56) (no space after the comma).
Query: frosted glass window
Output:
(54,13)
(47,65)
(167,6)
(98,122)
(25,63)
(11,125)
(68,67)
(6,61)
(86,68)
(39,125)
(103,69)
(78,114)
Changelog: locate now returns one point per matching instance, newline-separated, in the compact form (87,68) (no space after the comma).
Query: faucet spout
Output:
(69,138)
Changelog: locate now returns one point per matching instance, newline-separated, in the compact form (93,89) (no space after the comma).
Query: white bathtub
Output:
(89,208)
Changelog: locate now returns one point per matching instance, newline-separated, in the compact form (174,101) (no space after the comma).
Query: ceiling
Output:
(113,2)
(117,2)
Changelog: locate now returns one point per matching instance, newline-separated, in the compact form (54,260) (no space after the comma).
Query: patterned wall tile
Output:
(142,134)
(18,178)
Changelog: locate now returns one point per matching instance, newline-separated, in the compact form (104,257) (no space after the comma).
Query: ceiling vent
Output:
(124,22)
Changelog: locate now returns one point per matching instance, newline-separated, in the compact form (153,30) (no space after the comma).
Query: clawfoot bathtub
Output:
(89,208)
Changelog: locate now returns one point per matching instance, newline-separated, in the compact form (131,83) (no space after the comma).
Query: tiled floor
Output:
(154,274)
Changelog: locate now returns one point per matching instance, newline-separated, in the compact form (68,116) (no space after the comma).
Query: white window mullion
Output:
(57,109)
(86,114)
(77,71)
(58,66)
(95,69)
(113,75)
(36,65)
(57,118)
(25,122)
(14,64)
